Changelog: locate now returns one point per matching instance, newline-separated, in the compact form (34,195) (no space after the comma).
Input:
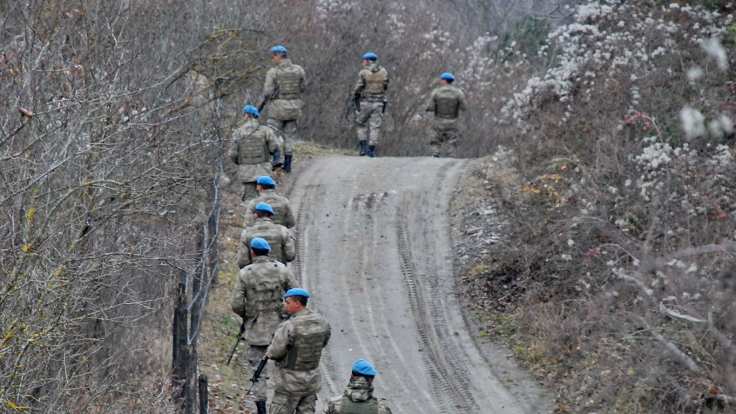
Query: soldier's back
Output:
(283,214)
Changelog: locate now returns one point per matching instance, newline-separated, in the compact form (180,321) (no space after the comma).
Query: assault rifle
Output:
(257,375)
(352,106)
(268,98)
(237,341)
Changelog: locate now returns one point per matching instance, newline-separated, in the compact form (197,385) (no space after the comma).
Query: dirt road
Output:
(374,248)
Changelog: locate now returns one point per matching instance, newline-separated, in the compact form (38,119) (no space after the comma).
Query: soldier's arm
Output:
(385,82)
(303,81)
(280,342)
(289,245)
(431,106)
(359,85)
(234,147)
(289,279)
(249,213)
(383,407)
(244,258)
(461,102)
(289,219)
(269,85)
(239,299)
(273,141)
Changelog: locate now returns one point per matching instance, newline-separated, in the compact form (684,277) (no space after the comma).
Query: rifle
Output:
(237,341)
(257,375)
(385,104)
(268,98)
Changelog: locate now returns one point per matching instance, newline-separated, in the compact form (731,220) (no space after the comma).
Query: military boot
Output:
(261,406)
(372,151)
(287,163)
(363,147)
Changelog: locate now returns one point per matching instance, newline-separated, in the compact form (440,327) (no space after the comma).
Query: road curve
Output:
(374,248)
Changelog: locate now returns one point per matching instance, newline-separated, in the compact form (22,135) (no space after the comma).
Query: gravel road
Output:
(374,248)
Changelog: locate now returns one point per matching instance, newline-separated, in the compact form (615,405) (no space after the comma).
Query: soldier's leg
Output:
(283,403)
(376,123)
(307,404)
(290,135)
(361,126)
(249,191)
(260,390)
(435,141)
(451,144)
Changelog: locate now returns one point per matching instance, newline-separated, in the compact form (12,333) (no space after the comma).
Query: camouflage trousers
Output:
(288,131)
(444,135)
(288,403)
(254,356)
(369,121)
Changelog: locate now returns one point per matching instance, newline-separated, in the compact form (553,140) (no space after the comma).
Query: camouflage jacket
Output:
(446,102)
(257,297)
(286,347)
(283,246)
(284,86)
(359,395)
(283,214)
(251,149)
(372,83)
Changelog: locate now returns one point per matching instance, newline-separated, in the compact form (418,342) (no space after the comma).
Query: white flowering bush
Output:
(628,149)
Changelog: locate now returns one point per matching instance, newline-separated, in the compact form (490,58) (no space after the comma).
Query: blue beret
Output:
(297,292)
(447,76)
(259,244)
(280,49)
(370,56)
(265,180)
(264,208)
(364,367)
(251,110)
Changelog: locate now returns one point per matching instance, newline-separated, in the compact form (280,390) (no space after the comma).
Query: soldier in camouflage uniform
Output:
(255,150)
(282,213)
(283,89)
(370,101)
(257,299)
(297,347)
(445,103)
(283,246)
(358,396)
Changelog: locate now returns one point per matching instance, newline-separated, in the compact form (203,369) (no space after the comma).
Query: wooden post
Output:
(203,395)
(181,357)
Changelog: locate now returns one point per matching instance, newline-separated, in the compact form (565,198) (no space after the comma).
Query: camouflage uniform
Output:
(257,299)
(284,86)
(371,89)
(283,246)
(283,214)
(297,347)
(251,150)
(445,103)
(357,399)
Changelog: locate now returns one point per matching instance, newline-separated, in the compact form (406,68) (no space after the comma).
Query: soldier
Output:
(297,347)
(283,214)
(370,102)
(285,84)
(255,150)
(446,102)
(257,299)
(358,396)
(283,247)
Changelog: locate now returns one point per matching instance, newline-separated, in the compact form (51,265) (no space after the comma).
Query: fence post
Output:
(181,358)
(203,395)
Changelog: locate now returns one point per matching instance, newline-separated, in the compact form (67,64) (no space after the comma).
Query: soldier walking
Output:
(257,299)
(358,395)
(283,246)
(297,347)
(255,149)
(370,102)
(282,212)
(283,89)
(445,103)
